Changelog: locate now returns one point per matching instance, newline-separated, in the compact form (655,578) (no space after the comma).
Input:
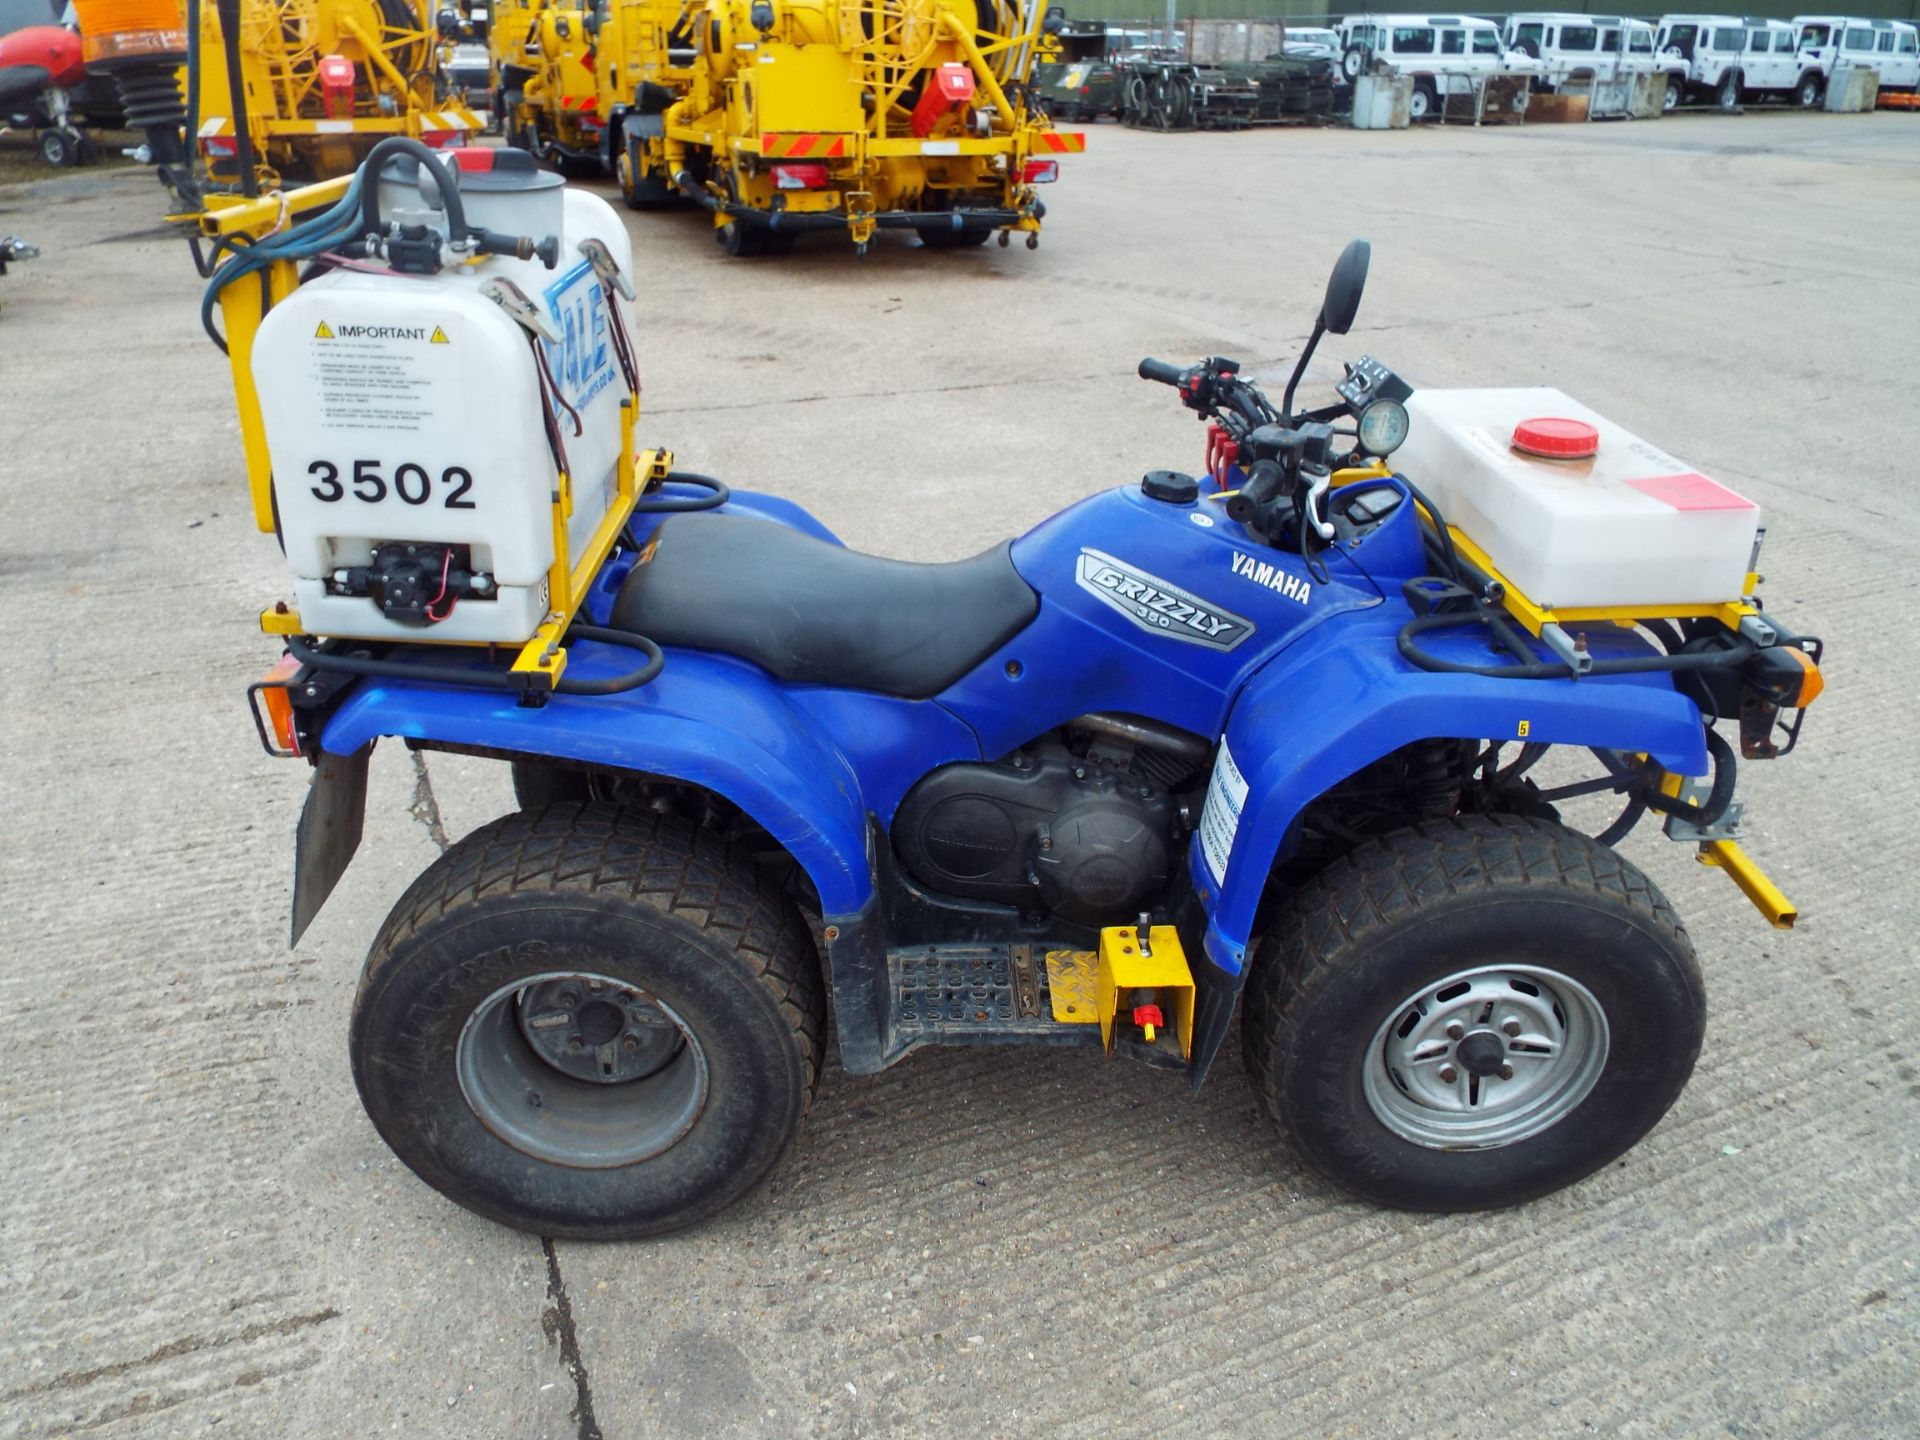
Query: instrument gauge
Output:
(1383,427)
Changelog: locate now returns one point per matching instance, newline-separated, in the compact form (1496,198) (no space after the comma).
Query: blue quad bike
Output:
(1168,755)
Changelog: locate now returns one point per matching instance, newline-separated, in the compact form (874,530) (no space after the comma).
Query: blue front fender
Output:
(1320,713)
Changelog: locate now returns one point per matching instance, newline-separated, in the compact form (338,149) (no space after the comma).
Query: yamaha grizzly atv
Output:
(1254,740)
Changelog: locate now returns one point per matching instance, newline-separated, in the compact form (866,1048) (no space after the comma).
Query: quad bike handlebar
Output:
(1287,460)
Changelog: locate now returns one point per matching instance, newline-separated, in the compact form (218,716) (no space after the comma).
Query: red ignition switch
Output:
(948,88)
(336,86)
(1556,439)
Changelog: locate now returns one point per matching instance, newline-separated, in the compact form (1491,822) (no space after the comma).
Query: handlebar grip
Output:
(1152,369)
(1262,482)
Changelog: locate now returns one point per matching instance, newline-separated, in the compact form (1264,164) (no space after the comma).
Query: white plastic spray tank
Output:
(415,440)
(1574,509)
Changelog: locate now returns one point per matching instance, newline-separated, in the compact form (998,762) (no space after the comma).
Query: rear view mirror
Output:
(1345,286)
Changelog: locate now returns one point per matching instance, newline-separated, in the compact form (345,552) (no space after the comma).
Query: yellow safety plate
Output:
(1073,980)
(1124,967)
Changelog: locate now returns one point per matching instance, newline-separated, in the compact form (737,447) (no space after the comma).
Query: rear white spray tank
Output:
(405,417)
(1573,509)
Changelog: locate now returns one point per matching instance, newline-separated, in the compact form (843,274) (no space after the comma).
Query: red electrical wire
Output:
(446,568)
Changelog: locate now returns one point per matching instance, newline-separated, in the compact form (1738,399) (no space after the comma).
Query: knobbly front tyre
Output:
(590,1023)
(1472,1013)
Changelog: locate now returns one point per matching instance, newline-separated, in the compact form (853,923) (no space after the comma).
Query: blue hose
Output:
(329,230)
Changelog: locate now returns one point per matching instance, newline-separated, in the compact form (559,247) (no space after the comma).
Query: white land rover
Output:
(1580,50)
(1730,59)
(1890,47)
(1445,54)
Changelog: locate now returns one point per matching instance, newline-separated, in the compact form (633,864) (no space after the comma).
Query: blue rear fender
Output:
(706,721)
(805,763)
(1320,713)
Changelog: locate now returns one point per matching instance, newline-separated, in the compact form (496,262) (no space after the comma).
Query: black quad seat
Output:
(814,613)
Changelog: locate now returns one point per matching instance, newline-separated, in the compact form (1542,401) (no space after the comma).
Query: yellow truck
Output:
(782,117)
(324,81)
(545,95)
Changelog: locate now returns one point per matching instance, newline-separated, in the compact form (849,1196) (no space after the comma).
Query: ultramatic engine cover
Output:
(1079,837)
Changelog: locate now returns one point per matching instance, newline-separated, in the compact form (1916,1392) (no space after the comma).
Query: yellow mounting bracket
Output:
(1766,896)
(543,659)
(1740,867)
(1130,975)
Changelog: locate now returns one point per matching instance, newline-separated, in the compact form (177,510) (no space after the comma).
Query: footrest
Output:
(1132,999)
(961,994)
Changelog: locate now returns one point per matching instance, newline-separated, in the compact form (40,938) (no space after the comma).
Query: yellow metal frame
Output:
(1740,868)
(542,660)
(1537,617)
(1726,855)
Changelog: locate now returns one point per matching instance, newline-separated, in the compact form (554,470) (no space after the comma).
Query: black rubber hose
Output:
(229,12)
(1725,773)
(368,666)
(193,80)
(1445,536)
(1548,669)
(658,504)
(370,185)
(614,684)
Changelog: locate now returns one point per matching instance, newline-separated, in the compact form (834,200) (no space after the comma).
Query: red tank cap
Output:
(1556,439)
(475,159)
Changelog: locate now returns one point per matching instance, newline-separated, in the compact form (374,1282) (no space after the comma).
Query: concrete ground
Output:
(199,1230)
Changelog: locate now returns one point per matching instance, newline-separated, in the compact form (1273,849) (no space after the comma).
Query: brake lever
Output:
(1318,480)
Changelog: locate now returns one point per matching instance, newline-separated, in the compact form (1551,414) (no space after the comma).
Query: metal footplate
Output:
(967,994)
(1133,996)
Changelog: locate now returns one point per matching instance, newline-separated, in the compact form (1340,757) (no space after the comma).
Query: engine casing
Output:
(1079,836)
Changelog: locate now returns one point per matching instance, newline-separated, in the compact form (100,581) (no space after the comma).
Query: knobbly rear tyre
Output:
(669,921)
(1349,973)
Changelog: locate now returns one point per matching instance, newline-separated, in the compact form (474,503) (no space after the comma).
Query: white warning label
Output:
(1220,820)
(389,378)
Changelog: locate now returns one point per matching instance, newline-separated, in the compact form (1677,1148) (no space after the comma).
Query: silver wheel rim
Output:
(1486,1057)
(582,1070)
